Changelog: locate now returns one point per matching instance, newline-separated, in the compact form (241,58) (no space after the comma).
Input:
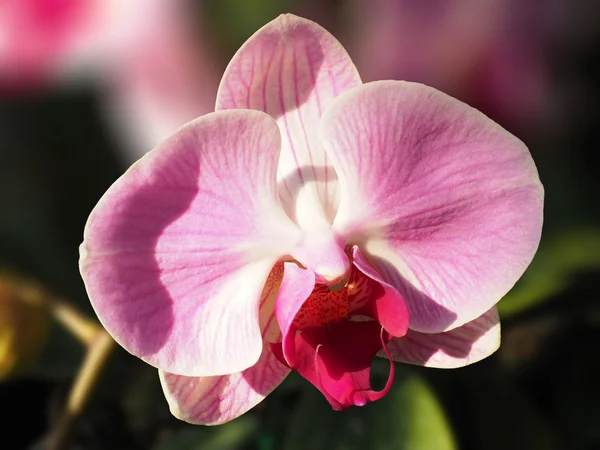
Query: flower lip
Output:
(337,359)
(322,341)
(362,397)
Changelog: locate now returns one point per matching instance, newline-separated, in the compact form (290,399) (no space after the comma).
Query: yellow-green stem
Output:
(80,326)
(97,354)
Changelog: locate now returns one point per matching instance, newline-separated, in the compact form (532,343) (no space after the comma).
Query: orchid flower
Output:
(309,224)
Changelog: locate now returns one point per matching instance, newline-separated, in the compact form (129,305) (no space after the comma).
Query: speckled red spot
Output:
(326,306)
(273,280)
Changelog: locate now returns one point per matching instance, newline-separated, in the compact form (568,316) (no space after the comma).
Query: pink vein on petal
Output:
(285,116)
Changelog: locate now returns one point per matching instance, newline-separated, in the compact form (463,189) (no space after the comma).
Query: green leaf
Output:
(410,417)
(554,268)
(234,28)
(230,436)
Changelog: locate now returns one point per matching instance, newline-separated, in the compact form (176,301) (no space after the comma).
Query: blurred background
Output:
(88,86)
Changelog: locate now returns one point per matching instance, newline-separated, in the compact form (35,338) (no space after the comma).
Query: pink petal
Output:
(177,252)
(219,399)
(296,287)
(459,347)
(389,309)
(445,203)
(292,69)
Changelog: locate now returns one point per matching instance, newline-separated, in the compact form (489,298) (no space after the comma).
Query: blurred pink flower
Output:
(36,37)
(167,79)
(155,71)
(311,223)
(489,53)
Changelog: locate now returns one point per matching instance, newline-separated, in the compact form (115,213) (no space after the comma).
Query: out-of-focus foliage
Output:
(555,266)
(410,417)
(227,437)
(60,356)
(24,322)
(235,28)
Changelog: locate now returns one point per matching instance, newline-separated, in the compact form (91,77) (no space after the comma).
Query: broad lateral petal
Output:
(459,347)
(445,203)
(292,69)
(176,253)
(219,399)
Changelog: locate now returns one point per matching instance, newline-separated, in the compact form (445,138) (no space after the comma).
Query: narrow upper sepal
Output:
(292,68)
